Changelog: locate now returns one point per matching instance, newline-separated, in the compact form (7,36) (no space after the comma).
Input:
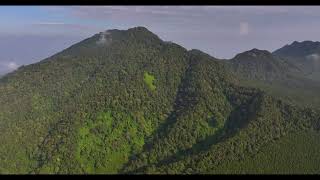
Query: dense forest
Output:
(125,101)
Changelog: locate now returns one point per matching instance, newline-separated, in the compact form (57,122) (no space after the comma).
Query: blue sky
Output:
(31,33)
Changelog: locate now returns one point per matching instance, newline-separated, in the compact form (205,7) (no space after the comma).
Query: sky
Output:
(29,34)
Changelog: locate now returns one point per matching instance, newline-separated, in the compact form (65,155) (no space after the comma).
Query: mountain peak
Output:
(138,28)
(254,53)
(108,37)
(258,51)
(133,30)
(142,30)
(299,49)
(141,33)
(295,43)
(260,65)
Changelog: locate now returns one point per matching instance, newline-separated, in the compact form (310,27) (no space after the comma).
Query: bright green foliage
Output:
(148,79)
(107,142)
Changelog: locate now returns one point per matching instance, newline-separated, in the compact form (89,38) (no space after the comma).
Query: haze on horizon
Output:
(29,34)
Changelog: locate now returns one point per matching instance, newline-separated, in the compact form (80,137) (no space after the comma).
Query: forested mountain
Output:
(280,76)
(124,101)
(262,65)
(304,54)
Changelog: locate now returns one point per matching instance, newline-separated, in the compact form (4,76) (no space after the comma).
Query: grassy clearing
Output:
(148,79)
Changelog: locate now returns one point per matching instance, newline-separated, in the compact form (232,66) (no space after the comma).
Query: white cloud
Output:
(244,28)
(313,57)
(104,38)
(6,67)
(9,65)
(12,65)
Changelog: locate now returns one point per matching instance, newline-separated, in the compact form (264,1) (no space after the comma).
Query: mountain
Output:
(262,65)
(125,101)
(277,75)
(299,49)
(304,54)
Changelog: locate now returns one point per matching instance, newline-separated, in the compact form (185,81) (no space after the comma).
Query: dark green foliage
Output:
(128,102)
(296,153)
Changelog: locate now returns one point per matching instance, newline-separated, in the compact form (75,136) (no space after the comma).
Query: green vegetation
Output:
(296,153)
(88,110)
(148,79)
(106,143)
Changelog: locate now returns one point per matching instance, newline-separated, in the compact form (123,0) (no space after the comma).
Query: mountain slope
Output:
(306,55)
(124,101)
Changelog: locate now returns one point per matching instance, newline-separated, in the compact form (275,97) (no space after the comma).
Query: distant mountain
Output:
(262,65)
(277,75)
(299,49)
(306,55)
(125,101)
